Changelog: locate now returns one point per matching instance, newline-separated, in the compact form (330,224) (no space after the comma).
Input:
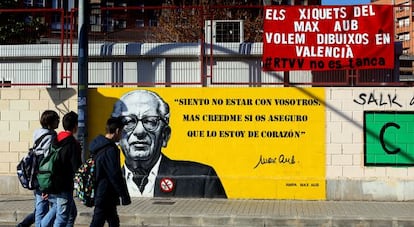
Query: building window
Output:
(28,2)
(40,3)
(224,31)
(228,32)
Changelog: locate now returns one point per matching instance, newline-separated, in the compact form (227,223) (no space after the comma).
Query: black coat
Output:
(68,162)
(189,179)
(110,184)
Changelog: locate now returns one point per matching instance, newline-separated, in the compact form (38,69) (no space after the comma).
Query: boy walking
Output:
(67,163)
(110,184)
(49,121)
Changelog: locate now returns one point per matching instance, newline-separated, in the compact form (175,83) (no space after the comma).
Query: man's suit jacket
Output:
(187,179)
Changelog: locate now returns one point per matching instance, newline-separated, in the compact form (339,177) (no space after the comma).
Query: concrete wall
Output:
(20,110)
(347,176)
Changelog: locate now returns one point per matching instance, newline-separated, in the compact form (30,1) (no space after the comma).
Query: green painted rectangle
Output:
(388,138)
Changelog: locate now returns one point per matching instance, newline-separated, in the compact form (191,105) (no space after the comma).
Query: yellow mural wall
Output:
(264,143)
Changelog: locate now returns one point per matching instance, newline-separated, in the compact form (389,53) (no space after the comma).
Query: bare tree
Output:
(18,28)
(178,22)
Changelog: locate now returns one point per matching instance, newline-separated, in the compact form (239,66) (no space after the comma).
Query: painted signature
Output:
(282,159)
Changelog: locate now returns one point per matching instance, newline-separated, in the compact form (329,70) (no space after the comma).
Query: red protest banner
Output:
(328,37)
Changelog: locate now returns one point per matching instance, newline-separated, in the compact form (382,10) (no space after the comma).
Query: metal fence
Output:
(161,46)
(23,31)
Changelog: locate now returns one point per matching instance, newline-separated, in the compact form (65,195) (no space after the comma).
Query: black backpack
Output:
(28,166)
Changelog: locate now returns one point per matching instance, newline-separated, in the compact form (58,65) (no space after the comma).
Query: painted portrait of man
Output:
(149,172)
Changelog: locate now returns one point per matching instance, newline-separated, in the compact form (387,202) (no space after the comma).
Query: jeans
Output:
(41,208)
(45,210)
(49,218)
(66,210)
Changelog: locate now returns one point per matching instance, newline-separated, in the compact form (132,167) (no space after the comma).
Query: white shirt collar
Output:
(149,188)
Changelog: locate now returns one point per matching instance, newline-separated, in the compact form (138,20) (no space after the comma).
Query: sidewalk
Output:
(222,212)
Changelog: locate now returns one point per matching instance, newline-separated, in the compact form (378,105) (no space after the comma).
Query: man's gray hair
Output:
(163,107)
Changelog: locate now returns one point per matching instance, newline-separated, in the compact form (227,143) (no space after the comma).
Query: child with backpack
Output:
(49,121)
(66,164)
(110,184)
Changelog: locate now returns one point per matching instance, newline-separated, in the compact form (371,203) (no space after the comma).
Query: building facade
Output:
(404,33)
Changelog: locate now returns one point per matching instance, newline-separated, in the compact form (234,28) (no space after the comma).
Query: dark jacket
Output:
(68,162)
(110,184)
(190,179)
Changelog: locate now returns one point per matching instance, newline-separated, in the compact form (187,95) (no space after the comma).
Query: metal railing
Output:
(220,44)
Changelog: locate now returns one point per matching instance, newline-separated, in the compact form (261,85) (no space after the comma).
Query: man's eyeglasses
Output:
(150,123)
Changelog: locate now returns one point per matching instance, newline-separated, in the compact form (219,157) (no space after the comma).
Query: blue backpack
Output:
(28,166)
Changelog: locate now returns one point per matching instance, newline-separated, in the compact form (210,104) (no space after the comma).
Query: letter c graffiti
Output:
(389,124)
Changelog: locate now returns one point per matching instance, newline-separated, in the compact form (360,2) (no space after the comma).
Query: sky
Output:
(345,2)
